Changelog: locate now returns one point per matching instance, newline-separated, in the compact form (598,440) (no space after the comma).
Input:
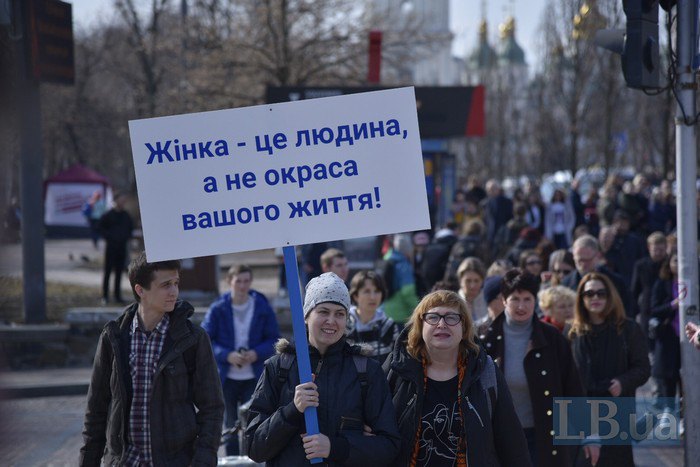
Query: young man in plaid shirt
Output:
(154,397)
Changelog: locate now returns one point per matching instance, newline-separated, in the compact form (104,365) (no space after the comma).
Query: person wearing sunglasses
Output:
(538,366)
(610,351)
(452,403)
(531,262)
(561,264)
(588,258)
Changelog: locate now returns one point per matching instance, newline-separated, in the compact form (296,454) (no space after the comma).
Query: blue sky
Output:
(465,16)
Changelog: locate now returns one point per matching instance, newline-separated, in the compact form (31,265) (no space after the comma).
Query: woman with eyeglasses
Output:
(531,262)
(538,366)
(452,404)
(610,350)
(561,264)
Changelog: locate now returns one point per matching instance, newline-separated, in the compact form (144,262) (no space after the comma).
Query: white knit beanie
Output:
(327,287)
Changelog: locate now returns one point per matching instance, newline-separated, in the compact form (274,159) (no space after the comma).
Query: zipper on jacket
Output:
(473,409)
(410,402)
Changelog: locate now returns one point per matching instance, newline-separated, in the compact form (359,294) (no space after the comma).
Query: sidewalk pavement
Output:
(44,383)
(75,381)
(76,261)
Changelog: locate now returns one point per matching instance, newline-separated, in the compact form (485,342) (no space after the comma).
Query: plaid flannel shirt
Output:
(144,354)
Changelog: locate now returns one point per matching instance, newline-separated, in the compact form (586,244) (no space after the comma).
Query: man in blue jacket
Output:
(243,330)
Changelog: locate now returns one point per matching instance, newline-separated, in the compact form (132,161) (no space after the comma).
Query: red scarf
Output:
(556,324)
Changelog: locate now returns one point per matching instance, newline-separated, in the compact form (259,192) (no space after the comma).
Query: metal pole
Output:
(686,174)
(31,182)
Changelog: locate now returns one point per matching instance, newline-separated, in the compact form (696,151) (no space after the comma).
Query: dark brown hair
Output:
(614,309)
(358,281)
(237,269)
(142,272)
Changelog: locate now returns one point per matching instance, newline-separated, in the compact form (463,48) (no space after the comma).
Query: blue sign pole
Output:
(299,328)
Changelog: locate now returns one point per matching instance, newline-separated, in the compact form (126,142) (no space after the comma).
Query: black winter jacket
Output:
(494,436)
(275,424)
(604,354)
(186,378)
(551,372)
(667,348)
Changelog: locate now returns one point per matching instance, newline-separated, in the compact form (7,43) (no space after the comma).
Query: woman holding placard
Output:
(355,414)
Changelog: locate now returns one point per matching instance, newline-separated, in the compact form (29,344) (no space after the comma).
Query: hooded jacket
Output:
(180,435)
(494,436)
(275,424)
(262,332)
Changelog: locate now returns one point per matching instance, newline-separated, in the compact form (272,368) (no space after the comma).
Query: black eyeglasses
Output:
(600,293)
(532,262)
(451,319)
(562,271)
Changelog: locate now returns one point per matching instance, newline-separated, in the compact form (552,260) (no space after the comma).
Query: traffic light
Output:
(638,43)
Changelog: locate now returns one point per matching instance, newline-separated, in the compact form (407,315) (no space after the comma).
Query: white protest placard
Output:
(280,174)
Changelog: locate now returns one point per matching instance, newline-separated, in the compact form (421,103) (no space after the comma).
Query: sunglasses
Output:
(451,319)
(562,271)
(600,293)
(532,262)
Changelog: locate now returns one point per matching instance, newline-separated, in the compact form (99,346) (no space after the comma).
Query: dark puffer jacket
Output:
(494,436)
(186,377)
(275,426)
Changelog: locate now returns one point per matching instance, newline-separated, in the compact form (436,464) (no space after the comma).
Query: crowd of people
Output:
(451,352)
(566,301)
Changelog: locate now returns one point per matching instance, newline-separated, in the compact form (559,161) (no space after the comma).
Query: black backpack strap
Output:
(360,361)
(361,367)
(286,361)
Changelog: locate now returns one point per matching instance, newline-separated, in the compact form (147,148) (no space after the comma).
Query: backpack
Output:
(360,361)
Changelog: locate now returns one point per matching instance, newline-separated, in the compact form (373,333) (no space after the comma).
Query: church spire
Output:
(510,51)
